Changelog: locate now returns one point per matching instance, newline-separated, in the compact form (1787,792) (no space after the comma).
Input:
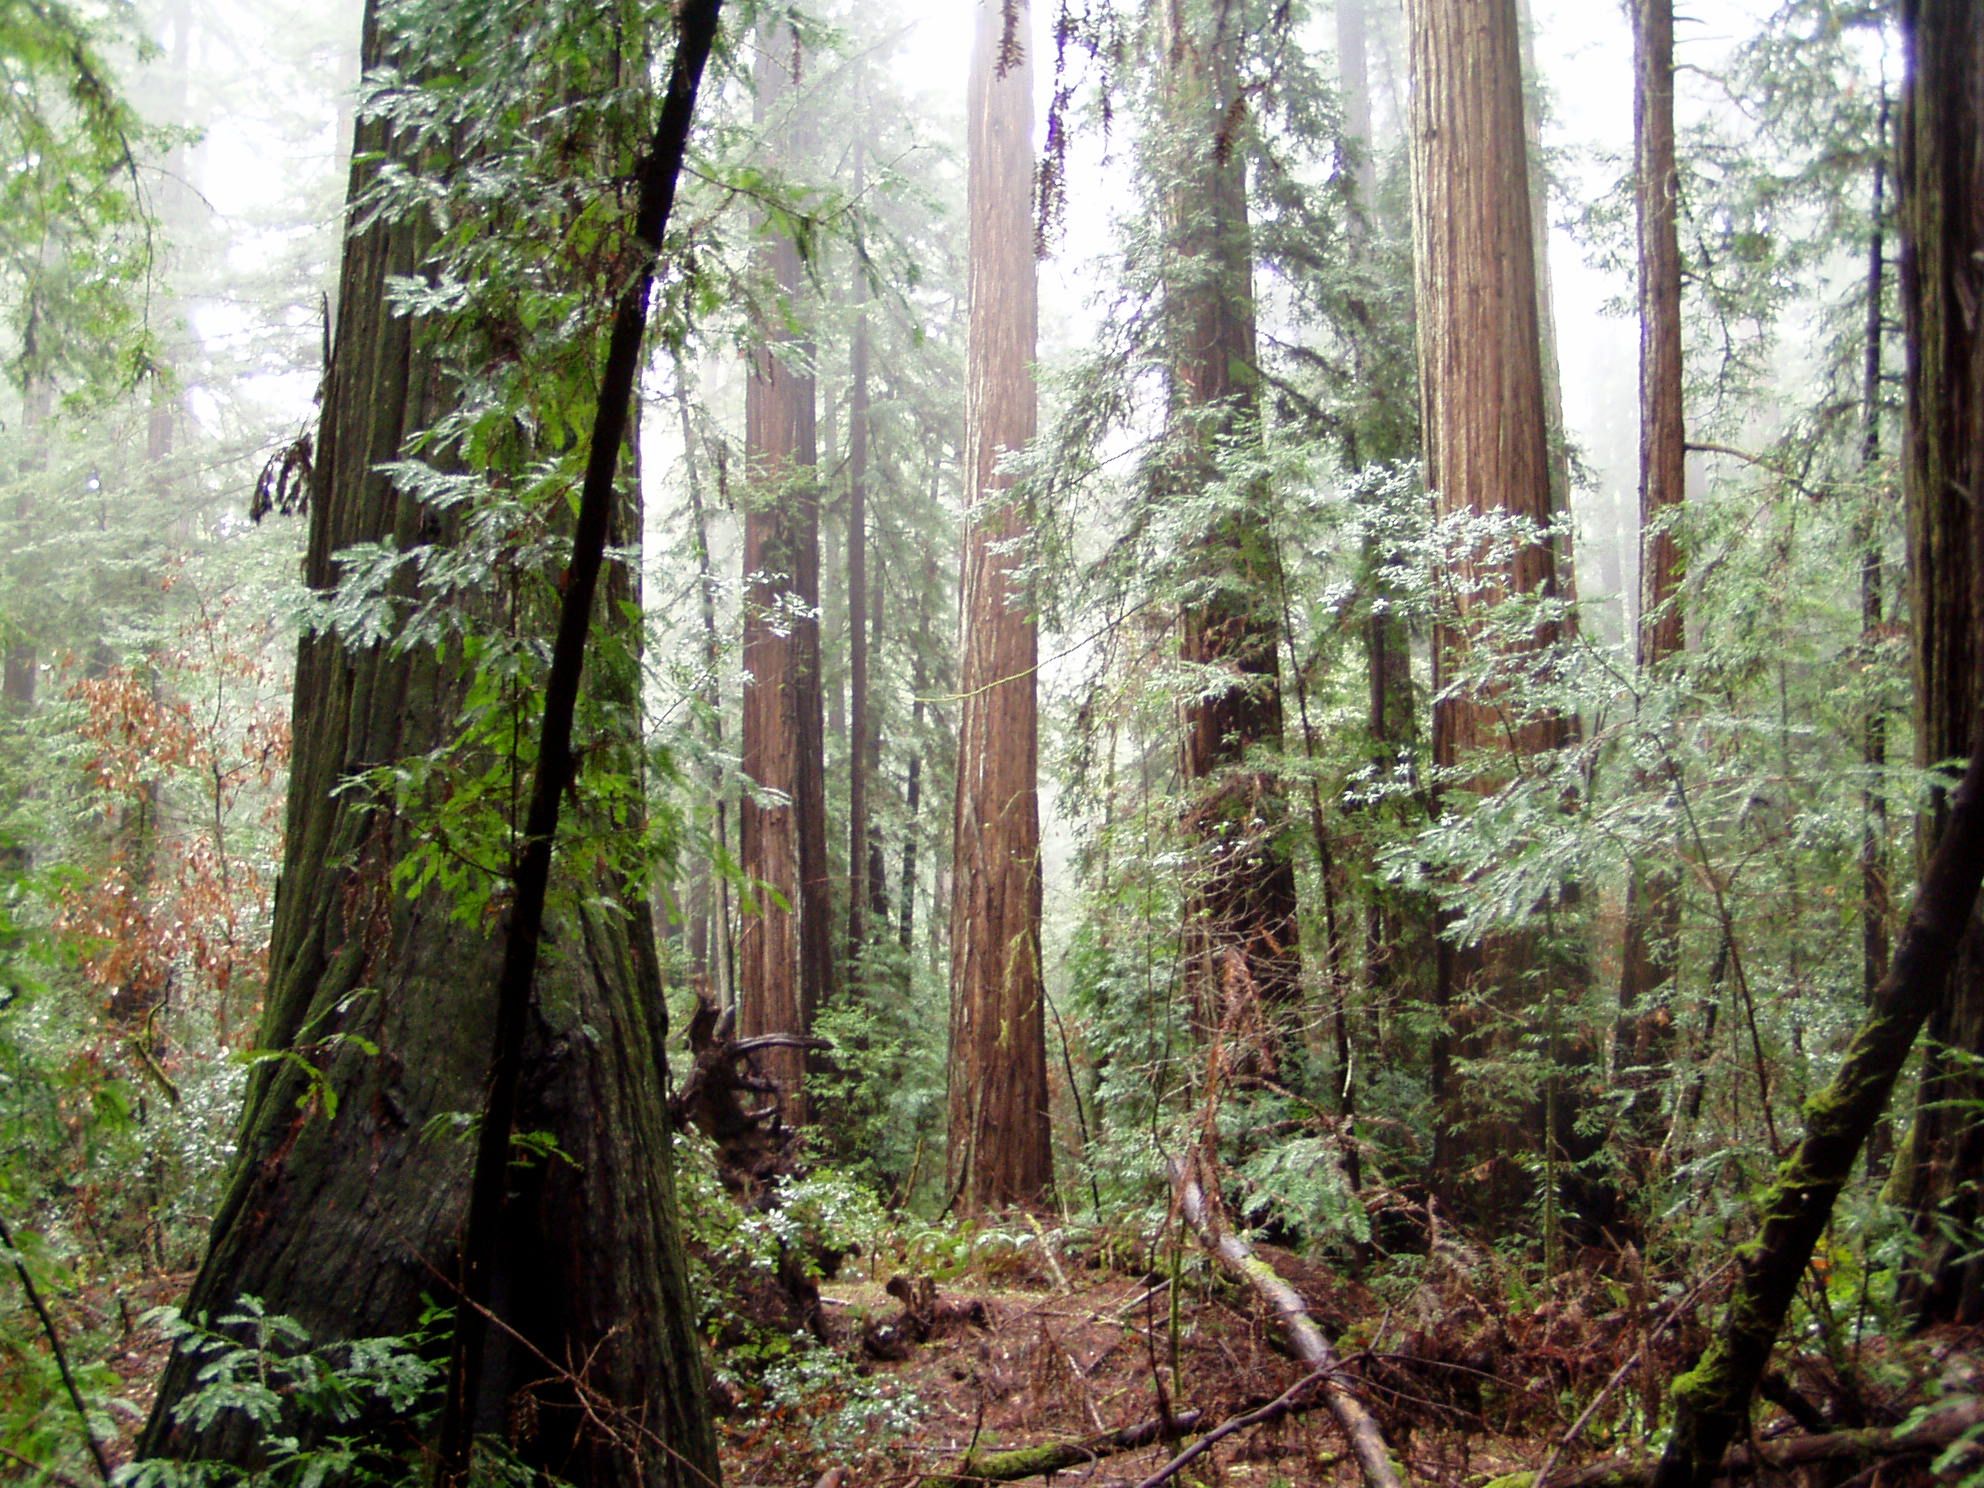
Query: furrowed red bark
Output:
(999,1152)
(1487,450)
(785,951)
(1653,905)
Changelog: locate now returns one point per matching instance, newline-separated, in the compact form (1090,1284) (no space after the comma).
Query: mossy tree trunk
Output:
(347,1216)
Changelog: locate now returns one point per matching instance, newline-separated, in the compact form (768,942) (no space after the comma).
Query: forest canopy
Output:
(1208,741)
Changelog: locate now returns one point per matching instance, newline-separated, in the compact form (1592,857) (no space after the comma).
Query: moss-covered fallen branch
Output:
(1030,1462)
(1367,1442)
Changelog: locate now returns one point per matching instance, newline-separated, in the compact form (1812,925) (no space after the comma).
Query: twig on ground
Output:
(1283,1404)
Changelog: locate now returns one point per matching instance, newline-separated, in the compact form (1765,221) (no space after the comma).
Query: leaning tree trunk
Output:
(786,947)
(1243,959)
(999,1140)
(1645,1041)
(1487,451)
(1942,182)
(347,1215)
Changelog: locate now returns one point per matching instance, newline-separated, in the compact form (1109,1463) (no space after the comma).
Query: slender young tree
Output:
(862,739)
(999,1138)
(1652,893)
(785,949)
(1942,181)
(1487,451)
(345,1208)
(1876,900)
(1243,954)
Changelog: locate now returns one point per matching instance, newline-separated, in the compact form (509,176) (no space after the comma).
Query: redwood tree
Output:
(1942,182)
(999,1147)
(1243,956)
(1652,893)
(1487,451)
(785,949)
(346,1203)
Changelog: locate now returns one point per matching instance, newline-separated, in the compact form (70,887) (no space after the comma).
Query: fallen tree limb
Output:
(1030,1462)
(1367,1442)
(1931,1434)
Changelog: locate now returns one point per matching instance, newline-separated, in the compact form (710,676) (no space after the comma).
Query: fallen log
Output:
(1932,1433)
(1048,1457)
(1367,1442)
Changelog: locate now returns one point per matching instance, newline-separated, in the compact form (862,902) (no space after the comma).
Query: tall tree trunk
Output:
(1942,181)
(1653,906)
(342,1216)
(999,1138)
(712,952)
(1243,961)
(1389,922)
(1546,300)
(22,668)
(1481,393)
(860,718)
(785,952)
(1876,905)
(878,867)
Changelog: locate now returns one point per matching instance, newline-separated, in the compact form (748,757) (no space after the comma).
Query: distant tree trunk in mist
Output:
(861,721)
(999,1139)
(1653,905)
(348,1220)
(712,952)
(22,667)
(912,795)
(785,950)
(1546,301)
(1876,903)
(1941,184)
(1243,960)
(1397,935)
(1487,450)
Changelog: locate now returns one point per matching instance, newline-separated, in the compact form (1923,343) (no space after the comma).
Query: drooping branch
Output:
(659,174)
(1367,1442)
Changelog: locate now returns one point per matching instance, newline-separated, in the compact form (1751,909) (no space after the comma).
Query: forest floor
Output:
(1472,1376)
(1073,1350)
